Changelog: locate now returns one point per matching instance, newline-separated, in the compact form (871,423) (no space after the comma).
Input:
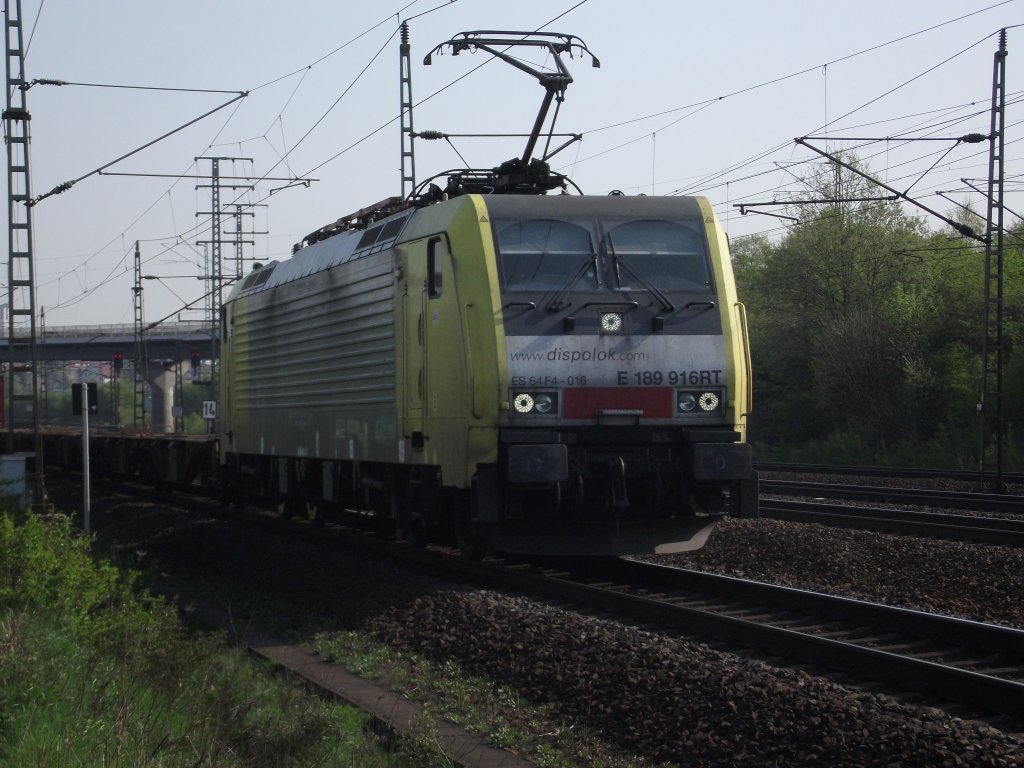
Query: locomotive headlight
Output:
(535,403)
(611,322)
(699,401)
(523,403)
(708,401)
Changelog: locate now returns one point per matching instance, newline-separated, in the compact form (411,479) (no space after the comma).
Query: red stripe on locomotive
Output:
(585,402)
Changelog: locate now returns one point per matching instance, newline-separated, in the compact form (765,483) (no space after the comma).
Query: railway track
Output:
(971,664)
(956,659)
(987,530)
(1007,530)
(988,502)
(849,469)
(968,663)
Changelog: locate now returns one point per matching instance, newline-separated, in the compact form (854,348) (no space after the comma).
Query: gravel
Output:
(974,581)
(652,695)
(680,700)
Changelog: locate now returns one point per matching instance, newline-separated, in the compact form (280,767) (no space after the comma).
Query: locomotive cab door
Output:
(414,268)
(434,363)
(446,396)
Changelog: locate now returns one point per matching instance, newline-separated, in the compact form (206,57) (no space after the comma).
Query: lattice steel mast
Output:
(408,154)
(990,402)
(141,372)
(23,385)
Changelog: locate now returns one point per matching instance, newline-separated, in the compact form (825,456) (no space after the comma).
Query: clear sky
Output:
(690,98)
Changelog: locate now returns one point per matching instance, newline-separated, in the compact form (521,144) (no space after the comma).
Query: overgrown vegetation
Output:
(94,672)
(494,711)
(866,332)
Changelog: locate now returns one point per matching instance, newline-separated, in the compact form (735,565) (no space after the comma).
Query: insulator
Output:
(431,135)
(405,33)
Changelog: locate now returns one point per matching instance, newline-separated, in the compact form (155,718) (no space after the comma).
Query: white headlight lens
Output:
(543,403)
(708,401)
(611,322)
(687,402)
(523,403)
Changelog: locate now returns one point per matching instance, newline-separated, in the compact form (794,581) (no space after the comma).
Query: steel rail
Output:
(850,469)
(986,668)
(835,632)
(992,502)
(961,661)
(984,663)
(994,530)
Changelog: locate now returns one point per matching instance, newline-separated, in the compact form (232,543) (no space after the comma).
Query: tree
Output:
(866,331)
(835,319)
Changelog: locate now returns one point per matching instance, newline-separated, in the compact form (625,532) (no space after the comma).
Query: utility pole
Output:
(44,394)
(141,373)
(990,401)
(405,85)
(240,215)
(179,381)
(215,262)
(23,384)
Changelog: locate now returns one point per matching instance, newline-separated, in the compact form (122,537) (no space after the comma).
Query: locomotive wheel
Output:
(469,544)
(291,507)
(315,513)
(417,533)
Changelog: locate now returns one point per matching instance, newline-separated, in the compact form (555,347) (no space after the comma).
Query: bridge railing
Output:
(180,328)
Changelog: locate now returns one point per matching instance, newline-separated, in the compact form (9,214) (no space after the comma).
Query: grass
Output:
(161,695)
(93,672)
(497,712)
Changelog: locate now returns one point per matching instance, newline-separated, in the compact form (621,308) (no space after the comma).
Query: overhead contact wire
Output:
(198,229)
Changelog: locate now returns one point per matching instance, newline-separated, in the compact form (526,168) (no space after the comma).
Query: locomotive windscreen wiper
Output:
(558,301)
(621,263)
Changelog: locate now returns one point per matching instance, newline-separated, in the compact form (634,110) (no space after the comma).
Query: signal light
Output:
(195,359)
(118,361)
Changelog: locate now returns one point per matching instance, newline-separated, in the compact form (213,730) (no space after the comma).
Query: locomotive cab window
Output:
(545,255)
(666,253)
(435,267)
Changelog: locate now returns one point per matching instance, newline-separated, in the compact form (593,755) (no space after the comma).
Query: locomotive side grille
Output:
(338,332)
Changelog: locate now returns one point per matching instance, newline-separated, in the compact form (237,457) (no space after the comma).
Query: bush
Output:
(45,564)
(93,671)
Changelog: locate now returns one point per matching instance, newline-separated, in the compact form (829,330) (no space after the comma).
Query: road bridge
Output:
(98,343)
(165,347)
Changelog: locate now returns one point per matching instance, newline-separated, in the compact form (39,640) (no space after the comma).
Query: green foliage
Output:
(93,672)
(865,334)
(45,565)
(190,397)
(66,704)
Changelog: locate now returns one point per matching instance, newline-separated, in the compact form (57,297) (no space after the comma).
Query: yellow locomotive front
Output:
(621,370)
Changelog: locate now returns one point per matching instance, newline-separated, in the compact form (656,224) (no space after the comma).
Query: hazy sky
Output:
(691,98)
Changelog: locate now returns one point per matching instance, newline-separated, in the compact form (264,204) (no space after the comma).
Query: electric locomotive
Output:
(552,374)
(556,374)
